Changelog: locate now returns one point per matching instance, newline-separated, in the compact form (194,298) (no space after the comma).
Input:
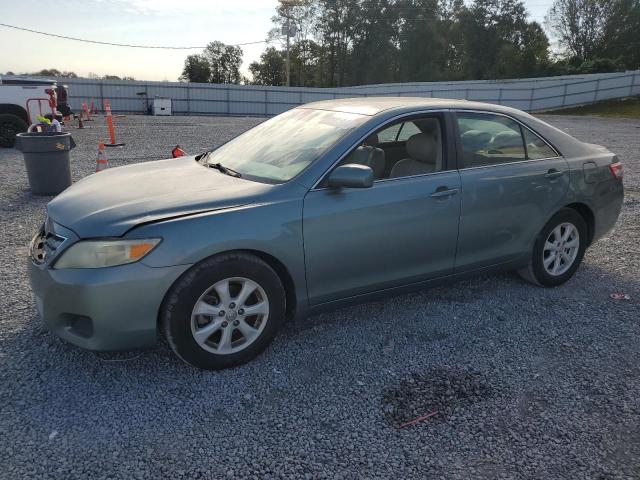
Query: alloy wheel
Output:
(561,249)
(230,315)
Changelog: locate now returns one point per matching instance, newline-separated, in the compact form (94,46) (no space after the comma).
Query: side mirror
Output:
(351,175)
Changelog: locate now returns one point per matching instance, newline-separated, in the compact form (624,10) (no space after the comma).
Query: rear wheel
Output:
(10,126)
(558,250)
(224,311)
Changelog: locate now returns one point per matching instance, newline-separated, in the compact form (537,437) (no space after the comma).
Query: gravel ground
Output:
(527,382)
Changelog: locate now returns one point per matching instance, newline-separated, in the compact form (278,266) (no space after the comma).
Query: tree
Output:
(270,70)
(580,25)
(218,63)
(424,51)
(336,19)
(535,50)
(196,69)
(224,62)
(302,17)
(374,32)
(499,42)
(622,34)
(305,56)
(53,72)
(48,72)
(355,42)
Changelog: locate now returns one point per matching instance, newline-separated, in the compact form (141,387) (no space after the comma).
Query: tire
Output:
(217,323)
(10,126)
(543,253)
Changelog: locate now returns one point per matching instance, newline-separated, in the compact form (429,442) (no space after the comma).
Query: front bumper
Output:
(113,308)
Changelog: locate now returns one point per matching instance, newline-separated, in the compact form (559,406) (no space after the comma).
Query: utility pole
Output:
(288,55)
(289,31)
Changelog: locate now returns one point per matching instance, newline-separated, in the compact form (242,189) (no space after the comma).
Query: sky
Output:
(143,22)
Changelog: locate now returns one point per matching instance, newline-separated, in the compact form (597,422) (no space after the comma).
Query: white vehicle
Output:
(23,99)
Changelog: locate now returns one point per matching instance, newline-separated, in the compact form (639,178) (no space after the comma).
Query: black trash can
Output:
(46,156)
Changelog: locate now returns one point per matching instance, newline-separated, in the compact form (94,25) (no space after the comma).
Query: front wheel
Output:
(224,311)
(558,250)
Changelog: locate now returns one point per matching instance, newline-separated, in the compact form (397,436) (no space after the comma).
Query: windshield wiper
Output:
(204,157)
(225,170)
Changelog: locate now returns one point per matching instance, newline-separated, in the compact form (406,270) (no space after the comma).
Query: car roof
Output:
(18,80)
(392,106)
(375,105)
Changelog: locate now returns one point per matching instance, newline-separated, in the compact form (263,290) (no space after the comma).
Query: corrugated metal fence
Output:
(213,99)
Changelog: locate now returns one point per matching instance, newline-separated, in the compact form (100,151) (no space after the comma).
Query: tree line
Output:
(356,42)
(54,72)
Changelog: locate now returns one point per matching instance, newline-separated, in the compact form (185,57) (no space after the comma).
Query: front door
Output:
(401,230)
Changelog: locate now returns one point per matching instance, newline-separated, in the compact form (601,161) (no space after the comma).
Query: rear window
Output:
(536,147)
(489,139)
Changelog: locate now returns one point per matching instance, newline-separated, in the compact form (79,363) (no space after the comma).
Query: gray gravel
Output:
(557,371)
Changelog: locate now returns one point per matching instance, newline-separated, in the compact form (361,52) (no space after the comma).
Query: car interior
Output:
(403,149)
(417,146)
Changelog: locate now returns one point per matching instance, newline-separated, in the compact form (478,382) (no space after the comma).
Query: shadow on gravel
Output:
(442,389)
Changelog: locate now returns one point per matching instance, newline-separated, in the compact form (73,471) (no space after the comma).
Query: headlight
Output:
(105,253)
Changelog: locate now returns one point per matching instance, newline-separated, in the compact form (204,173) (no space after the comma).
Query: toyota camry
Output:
(329,203)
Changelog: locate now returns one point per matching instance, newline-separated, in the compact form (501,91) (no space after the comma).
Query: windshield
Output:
(280,148)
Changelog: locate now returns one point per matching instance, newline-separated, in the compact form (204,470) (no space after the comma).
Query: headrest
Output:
(507,138)
(475,139)
(361,155)
(422,147)
(372,140)
(369,156)
(430,125)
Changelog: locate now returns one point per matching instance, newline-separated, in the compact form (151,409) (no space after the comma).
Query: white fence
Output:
(532,94)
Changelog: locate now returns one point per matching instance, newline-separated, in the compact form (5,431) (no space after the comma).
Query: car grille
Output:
(44,245)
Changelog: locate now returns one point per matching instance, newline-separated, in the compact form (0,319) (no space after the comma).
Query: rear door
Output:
(511,181)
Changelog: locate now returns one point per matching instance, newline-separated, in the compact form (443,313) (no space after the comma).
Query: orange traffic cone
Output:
(87,113)
(101,162)
(112,130)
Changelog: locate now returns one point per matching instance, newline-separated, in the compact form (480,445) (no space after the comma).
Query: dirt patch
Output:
(442,389)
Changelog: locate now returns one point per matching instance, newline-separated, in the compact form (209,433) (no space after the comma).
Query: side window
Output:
(403,149)
(398,132)
(489,139)
(536,147)
(408,130)
(389,134)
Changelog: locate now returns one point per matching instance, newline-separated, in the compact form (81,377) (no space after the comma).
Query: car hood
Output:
(113,201)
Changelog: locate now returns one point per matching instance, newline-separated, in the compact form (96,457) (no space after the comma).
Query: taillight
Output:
(616,170)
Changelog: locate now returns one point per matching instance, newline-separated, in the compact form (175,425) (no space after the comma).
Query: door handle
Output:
(442,192)
(553,173)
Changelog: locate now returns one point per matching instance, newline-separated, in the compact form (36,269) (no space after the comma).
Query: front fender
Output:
(273,228)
